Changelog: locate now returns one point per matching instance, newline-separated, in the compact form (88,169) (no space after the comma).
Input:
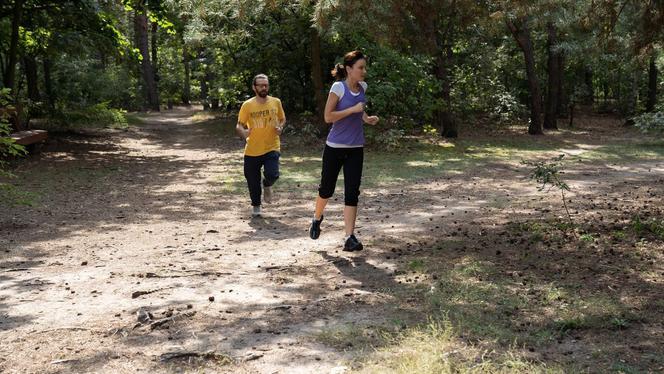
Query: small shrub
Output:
(650,123)
(95,116)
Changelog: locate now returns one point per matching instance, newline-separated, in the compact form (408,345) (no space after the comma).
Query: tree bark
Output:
(32,78)
(141,29)
(633,94)
(317,80)
(154,42)
(551,105)
(588,78)
(563,98)
(186,90)
(443,116)
(204,93)
(48,84)
(652,85)
(10,76)
(522,36)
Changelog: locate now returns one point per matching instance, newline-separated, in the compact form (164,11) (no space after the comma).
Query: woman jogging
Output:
(344,147)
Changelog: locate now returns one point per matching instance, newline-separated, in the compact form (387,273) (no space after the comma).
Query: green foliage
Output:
(652,226)
(98,115)
(400,86)
(650,123)
(82,83)
(547,173)
(8,148)
(384,138)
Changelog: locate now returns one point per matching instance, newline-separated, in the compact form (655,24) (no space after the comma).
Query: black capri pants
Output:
(352,160)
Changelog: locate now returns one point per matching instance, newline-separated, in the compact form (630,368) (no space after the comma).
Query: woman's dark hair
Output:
(339,71)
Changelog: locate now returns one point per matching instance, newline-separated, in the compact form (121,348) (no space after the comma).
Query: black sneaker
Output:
(314,229)
(352,244)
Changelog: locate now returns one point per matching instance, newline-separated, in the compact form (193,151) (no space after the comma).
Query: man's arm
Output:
(242,131)
(280,125)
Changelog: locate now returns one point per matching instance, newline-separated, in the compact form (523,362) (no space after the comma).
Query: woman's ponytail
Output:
(350,58)
(339,72)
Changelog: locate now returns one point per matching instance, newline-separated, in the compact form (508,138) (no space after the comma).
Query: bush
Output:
(95,116)
(400,86)
(8,148)
(650,123)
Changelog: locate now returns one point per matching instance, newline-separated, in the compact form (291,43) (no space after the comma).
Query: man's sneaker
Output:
(352,244)
(256,212)
(267,194)
(314,229)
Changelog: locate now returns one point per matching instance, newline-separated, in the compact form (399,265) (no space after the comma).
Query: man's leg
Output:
(252,172)
(270,173)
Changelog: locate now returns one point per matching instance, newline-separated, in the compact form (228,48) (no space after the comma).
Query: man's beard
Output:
(262,94)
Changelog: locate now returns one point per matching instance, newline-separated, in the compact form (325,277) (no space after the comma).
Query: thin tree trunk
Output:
(588,78)
(10,76)
(186,90)
(443,117)
(3,66)
(317,80)
(633,94)
(48,84)
(32,78)
(154,42)
(522,36)
(652,85)
(551,105)
(563,98)
(141,28)
(204,93)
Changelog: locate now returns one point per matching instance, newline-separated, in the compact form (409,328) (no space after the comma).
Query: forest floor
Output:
(138,254)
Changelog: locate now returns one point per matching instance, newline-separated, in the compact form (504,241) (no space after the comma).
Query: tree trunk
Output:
(154,42)
(443,116)
(186,90)
(141,29)
(204,92)
(652,85)
(522,36)
(551,105)
(30,64)
(317,80)
(10,76)
(630,107)
(48,84)
(588,78)
(563,98)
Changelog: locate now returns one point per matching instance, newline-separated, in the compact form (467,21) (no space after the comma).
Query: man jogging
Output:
(260,123)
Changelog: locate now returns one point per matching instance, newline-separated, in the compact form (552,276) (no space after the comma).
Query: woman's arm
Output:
(372,120)
(333,116)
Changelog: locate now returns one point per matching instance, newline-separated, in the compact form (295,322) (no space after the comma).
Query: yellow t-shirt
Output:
(262,120)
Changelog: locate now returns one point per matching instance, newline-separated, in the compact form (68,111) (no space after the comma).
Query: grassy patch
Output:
(436,348)
(355,337)
(651,226)
(626,152)
(417,265)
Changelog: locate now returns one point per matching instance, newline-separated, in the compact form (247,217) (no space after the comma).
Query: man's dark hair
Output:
(259,76)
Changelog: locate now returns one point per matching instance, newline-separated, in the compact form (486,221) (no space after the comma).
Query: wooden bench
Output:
(29,137)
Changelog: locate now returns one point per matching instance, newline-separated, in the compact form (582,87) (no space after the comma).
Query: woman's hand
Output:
(372,120)
(358,108)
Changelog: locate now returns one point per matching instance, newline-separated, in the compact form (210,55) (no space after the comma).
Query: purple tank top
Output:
(348,130)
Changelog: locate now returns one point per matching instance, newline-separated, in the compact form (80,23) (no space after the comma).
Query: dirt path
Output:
(134,223)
